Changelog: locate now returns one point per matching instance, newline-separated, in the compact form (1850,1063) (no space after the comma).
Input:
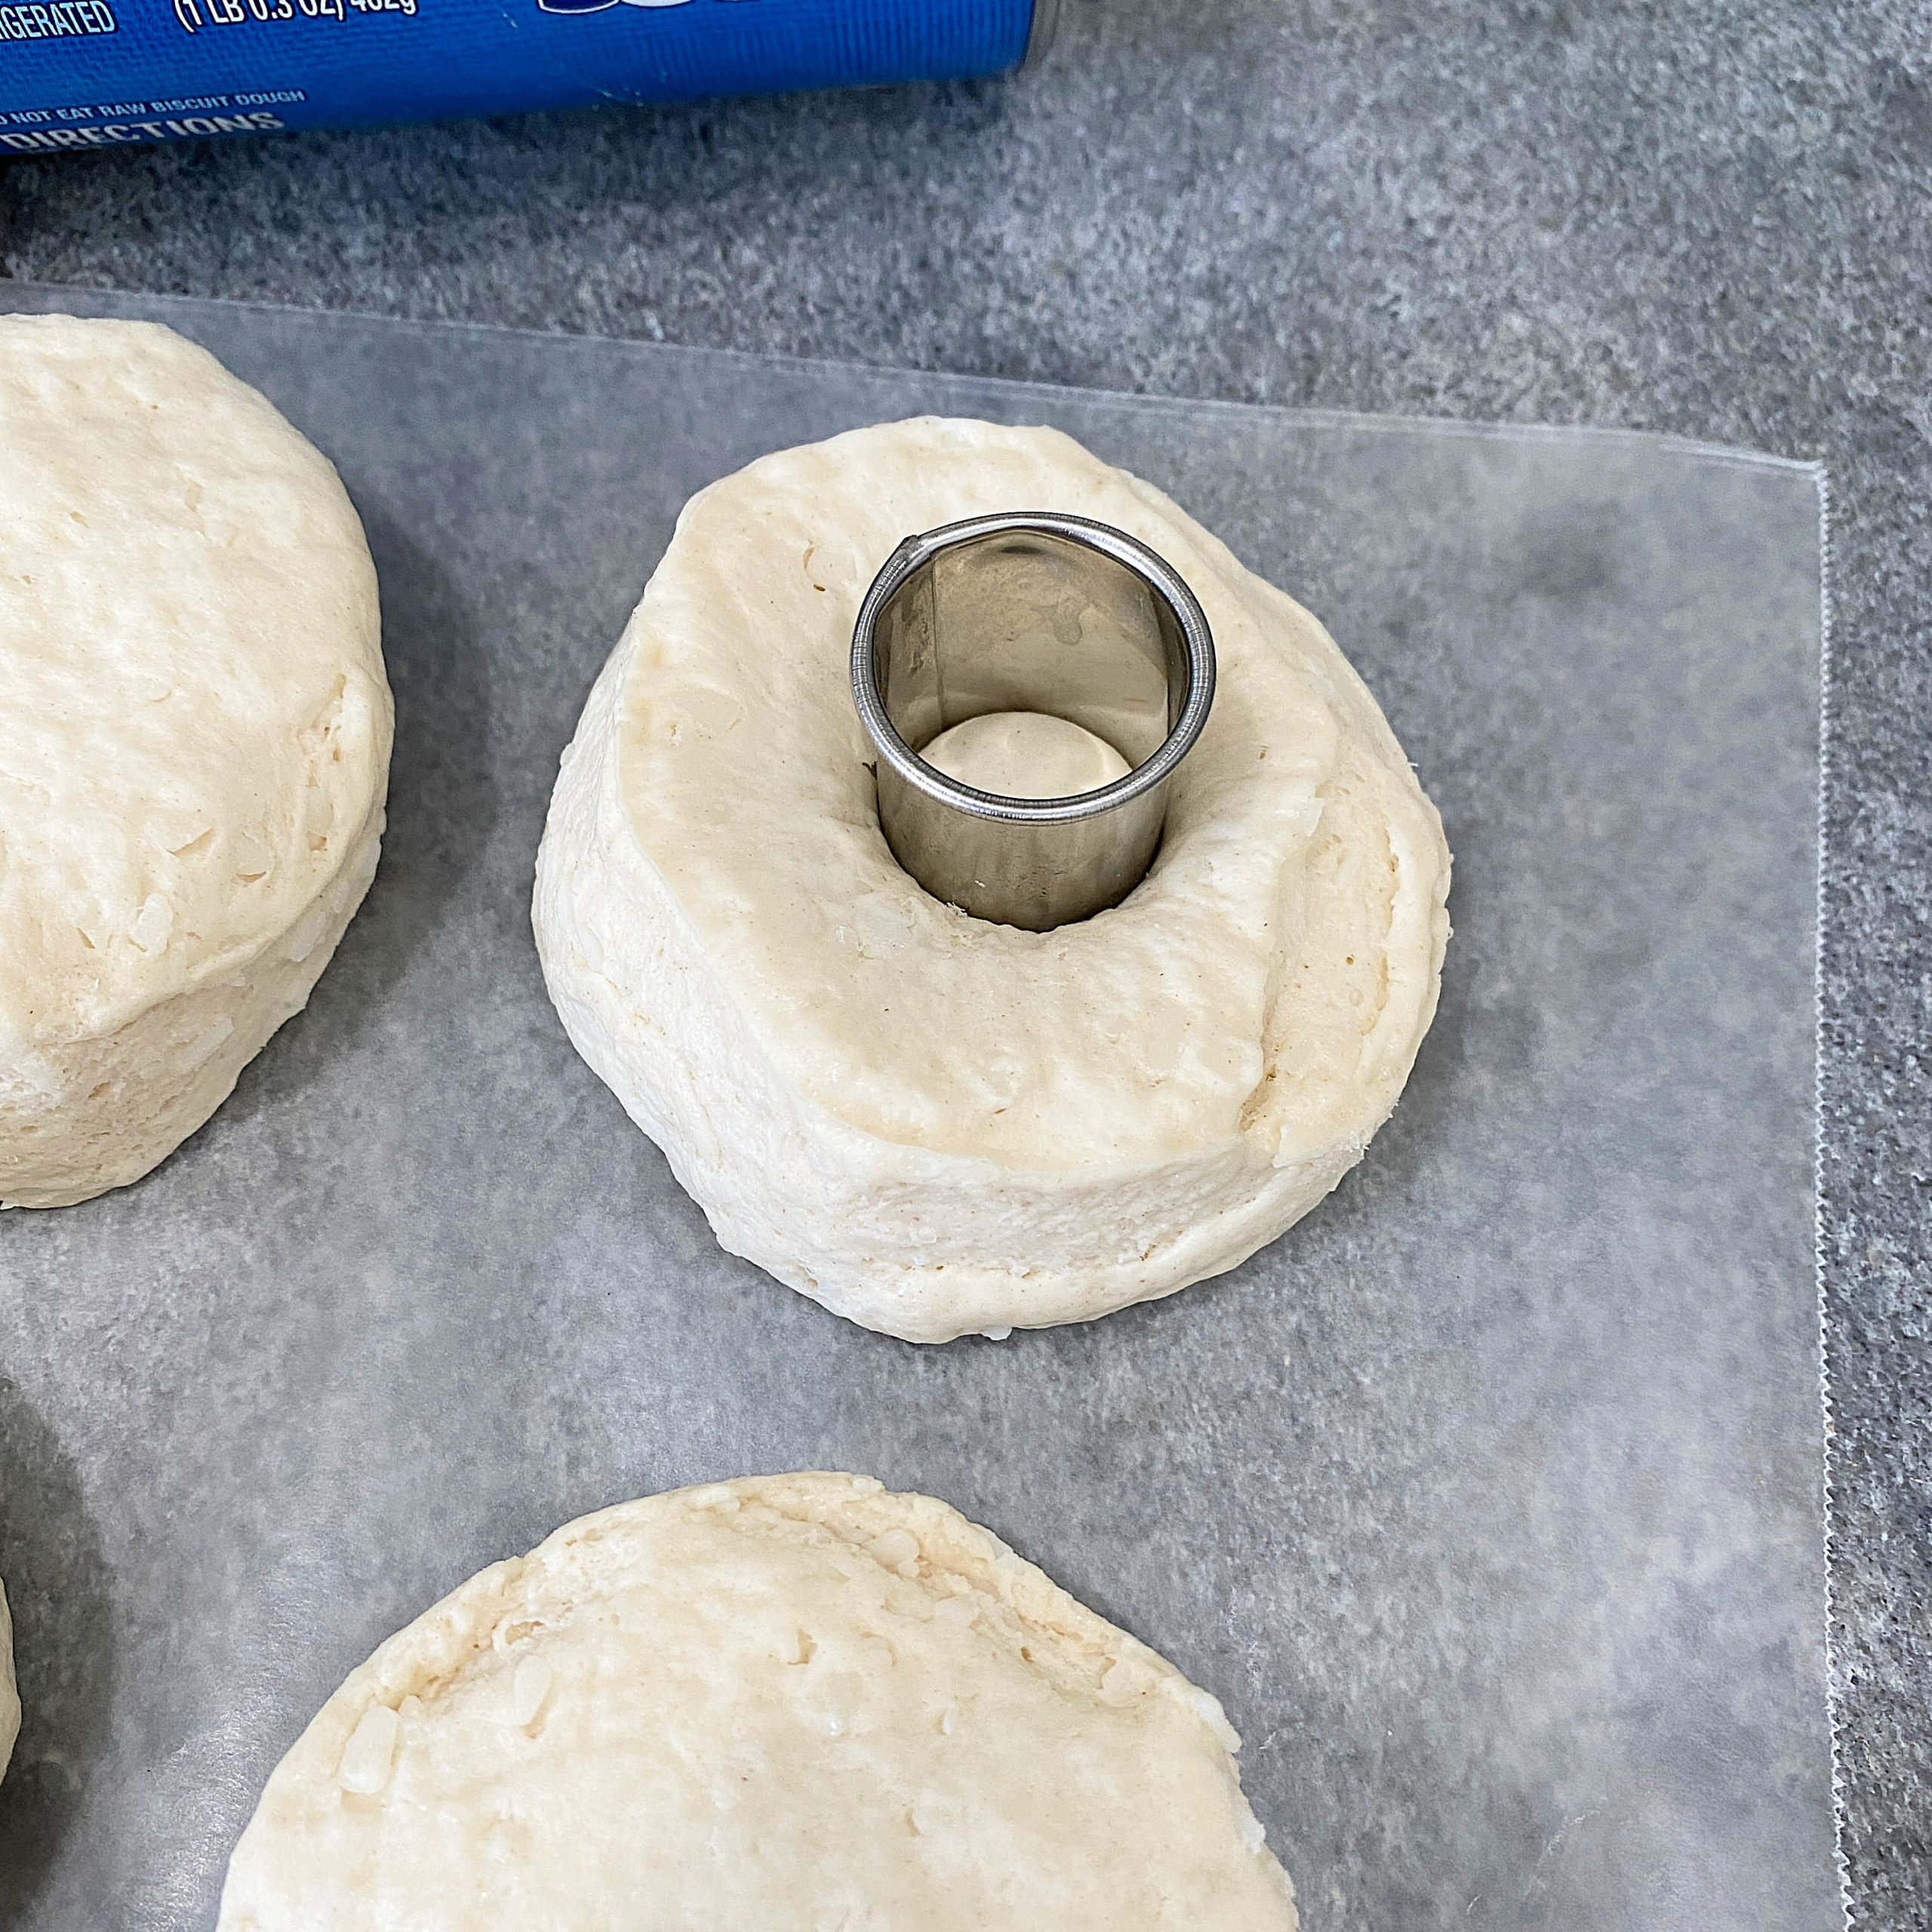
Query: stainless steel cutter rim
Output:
(1149,565)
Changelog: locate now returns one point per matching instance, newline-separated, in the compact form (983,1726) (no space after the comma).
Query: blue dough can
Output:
(81,74)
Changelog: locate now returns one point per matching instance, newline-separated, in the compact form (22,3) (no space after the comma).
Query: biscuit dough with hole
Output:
(194,741)
(931,1124)
(790,1702)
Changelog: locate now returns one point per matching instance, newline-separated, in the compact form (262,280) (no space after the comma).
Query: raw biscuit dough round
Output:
(194,733)
(9,1693)
(788,1702)
(931,1124)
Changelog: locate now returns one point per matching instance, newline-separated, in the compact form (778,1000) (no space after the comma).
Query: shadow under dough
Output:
(63,1649)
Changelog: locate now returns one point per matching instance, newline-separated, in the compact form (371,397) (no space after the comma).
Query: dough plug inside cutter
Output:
(1030,652)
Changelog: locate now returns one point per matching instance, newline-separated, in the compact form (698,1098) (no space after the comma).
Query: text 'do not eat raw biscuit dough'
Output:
(195,731)
(785,1701)
(931,1124)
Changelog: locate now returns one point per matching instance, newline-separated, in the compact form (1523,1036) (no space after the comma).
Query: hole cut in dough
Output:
(1025,755)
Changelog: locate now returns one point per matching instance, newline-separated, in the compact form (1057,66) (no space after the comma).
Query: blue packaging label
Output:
(79,74)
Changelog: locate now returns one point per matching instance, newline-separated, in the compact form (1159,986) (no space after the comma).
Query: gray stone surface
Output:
(1707,218)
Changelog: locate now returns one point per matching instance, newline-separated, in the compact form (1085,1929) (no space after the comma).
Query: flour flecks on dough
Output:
(931,1124)
(194,733)
(786,1702)
(1025,755)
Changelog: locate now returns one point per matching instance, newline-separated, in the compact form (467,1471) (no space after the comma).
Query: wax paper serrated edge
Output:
(1822,476)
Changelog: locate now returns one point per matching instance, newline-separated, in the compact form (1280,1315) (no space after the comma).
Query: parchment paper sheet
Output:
(1487,1500)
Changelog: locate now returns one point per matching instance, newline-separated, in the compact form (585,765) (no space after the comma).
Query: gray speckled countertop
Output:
(1705,218)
